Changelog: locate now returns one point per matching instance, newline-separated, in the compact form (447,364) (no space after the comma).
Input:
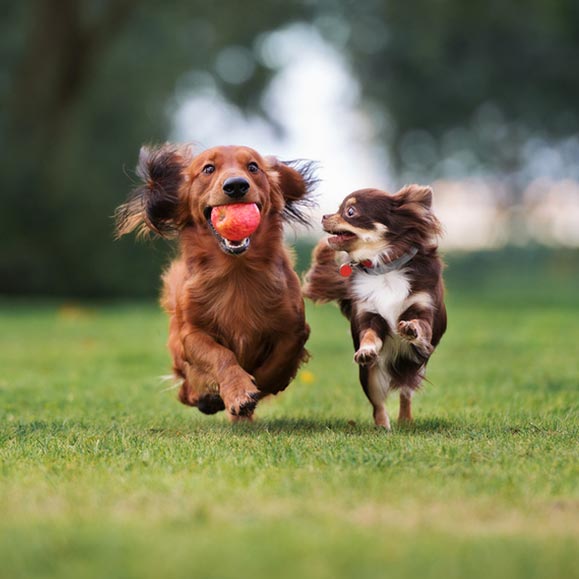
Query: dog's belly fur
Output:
(387,295)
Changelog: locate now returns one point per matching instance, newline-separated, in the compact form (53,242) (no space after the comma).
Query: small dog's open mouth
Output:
(338,239)
(230,246)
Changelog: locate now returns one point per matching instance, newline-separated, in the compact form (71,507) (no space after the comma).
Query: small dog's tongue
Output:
(338,240)
(237,221)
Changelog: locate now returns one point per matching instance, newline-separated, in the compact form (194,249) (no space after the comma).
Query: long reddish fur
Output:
(237,327)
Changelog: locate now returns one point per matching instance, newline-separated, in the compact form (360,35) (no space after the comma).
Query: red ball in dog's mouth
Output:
(237,221)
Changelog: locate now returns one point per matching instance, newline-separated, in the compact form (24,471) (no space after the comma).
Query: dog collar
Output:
(367,266)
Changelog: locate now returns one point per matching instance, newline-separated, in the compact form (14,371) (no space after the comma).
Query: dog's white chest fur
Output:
(385,294)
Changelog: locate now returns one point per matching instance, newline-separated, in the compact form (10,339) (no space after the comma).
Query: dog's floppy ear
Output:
(297,181)
(153,206)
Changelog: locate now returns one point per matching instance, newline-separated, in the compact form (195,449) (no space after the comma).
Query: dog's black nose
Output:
(236,187)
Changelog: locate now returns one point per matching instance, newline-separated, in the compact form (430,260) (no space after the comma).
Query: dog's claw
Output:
(408,330)
(245,409)
(244,403)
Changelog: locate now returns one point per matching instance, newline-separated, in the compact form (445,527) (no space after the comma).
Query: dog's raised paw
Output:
(408,330)
(366,356)
(210,404)
(243,403)
(247,408)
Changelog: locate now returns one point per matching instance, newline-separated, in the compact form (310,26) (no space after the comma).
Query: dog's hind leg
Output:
(283,362)
(407,378)
(376,385)
(405,413)
(369,331)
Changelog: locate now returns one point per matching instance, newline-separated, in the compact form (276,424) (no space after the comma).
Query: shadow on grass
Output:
(177,429)
(432,425)
(305,426)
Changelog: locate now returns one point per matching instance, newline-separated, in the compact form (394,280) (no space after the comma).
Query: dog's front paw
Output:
(210,403)
(366,356)
(245,404)
(408,330)
(240,396)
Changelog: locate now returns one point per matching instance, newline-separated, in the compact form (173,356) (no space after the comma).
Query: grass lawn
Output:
(104,474)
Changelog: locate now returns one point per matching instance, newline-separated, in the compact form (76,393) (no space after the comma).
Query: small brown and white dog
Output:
(382,267)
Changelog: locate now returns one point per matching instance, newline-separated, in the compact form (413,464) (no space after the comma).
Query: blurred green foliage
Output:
(84,83)
(471,80)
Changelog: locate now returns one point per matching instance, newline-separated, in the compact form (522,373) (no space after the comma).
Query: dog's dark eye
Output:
(351,211)
(252,168)
(208,169)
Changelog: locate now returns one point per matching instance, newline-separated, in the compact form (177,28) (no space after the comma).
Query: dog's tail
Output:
(322,282)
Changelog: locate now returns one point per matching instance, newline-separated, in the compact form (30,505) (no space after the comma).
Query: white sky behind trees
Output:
(316,101)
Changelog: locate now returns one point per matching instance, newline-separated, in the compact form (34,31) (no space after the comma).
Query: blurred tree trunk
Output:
(62,49)
(60,56)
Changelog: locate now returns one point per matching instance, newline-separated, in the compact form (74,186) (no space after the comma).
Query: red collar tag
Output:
(345,270)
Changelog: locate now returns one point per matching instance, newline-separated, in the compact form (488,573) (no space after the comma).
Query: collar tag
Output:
(345,270)
(380,268)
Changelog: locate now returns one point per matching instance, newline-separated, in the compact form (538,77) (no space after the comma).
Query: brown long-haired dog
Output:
(237,328)
(389,285)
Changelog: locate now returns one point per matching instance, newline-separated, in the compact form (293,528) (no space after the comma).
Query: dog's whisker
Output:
(172,387)
(168,378)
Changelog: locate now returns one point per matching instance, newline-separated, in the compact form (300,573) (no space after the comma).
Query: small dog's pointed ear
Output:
(296,181)
(419,194)
(154,205)
(415,202)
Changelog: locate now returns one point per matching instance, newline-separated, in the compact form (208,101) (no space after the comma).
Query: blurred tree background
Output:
(455,88)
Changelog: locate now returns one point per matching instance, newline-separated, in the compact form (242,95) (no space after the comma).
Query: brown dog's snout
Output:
(328,220)
(236,187)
